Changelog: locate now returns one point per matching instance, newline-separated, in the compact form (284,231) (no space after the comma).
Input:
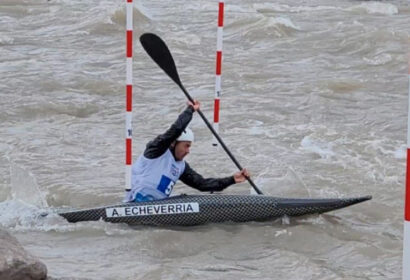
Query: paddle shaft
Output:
(219,138)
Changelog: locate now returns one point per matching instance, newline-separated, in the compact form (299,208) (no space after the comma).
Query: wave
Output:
(140,15)
(401,152)
(262,27)
(369,7)
(18,216)
(103,18)
(25,188)
(50,108)
(271,7)
(316,146)
(377,60)
(115,20)
(5,40)
(376,8)
(342,85)
(25,207)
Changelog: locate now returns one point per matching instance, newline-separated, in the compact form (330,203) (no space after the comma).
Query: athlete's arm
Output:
(196,181)
(161,143)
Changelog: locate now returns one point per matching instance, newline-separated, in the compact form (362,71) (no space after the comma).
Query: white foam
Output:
(369,7)
(5,40)
(18,216)
(143,10)
(323,149)
(281,232)
(190,39)
(401,152)
(285,22)
(325,192)
(380,59)
(17,213)
(293,9)
(376,8)
(235,8)
(24,187)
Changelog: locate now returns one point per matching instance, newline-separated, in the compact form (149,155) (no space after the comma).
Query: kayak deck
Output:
(188,210)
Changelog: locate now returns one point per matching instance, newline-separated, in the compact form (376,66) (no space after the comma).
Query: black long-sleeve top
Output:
(161,143)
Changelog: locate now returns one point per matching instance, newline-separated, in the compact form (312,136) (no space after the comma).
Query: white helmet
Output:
(186,135)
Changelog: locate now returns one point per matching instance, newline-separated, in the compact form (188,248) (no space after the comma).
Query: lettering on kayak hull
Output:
(156,209)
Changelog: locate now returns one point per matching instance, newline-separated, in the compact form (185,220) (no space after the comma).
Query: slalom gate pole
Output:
(128,113)
(218,68)
(406,235)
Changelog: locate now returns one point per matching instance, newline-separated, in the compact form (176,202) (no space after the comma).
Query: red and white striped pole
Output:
(128,113)
(218,67)
(406,235)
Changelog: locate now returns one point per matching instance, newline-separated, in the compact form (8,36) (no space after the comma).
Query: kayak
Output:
(190,210)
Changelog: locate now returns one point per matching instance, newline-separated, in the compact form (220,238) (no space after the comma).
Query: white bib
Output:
(155,177)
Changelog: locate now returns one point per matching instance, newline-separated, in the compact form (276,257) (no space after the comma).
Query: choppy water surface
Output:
(314,104)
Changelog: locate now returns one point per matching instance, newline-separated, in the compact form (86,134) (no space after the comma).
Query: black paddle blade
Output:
(159,52)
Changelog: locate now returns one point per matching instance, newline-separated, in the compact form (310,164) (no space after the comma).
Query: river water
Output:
(314,104)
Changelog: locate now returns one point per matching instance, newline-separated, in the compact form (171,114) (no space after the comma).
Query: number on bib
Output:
(166,185)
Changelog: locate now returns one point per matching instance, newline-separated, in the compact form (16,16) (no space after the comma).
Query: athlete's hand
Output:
(194,105)
(241,175)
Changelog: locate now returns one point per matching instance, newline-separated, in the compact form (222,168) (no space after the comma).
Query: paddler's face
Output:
(182,149)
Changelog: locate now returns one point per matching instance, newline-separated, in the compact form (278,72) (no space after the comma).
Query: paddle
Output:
(159,52)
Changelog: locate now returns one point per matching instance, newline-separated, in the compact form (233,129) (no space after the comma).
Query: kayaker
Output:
(156,171)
